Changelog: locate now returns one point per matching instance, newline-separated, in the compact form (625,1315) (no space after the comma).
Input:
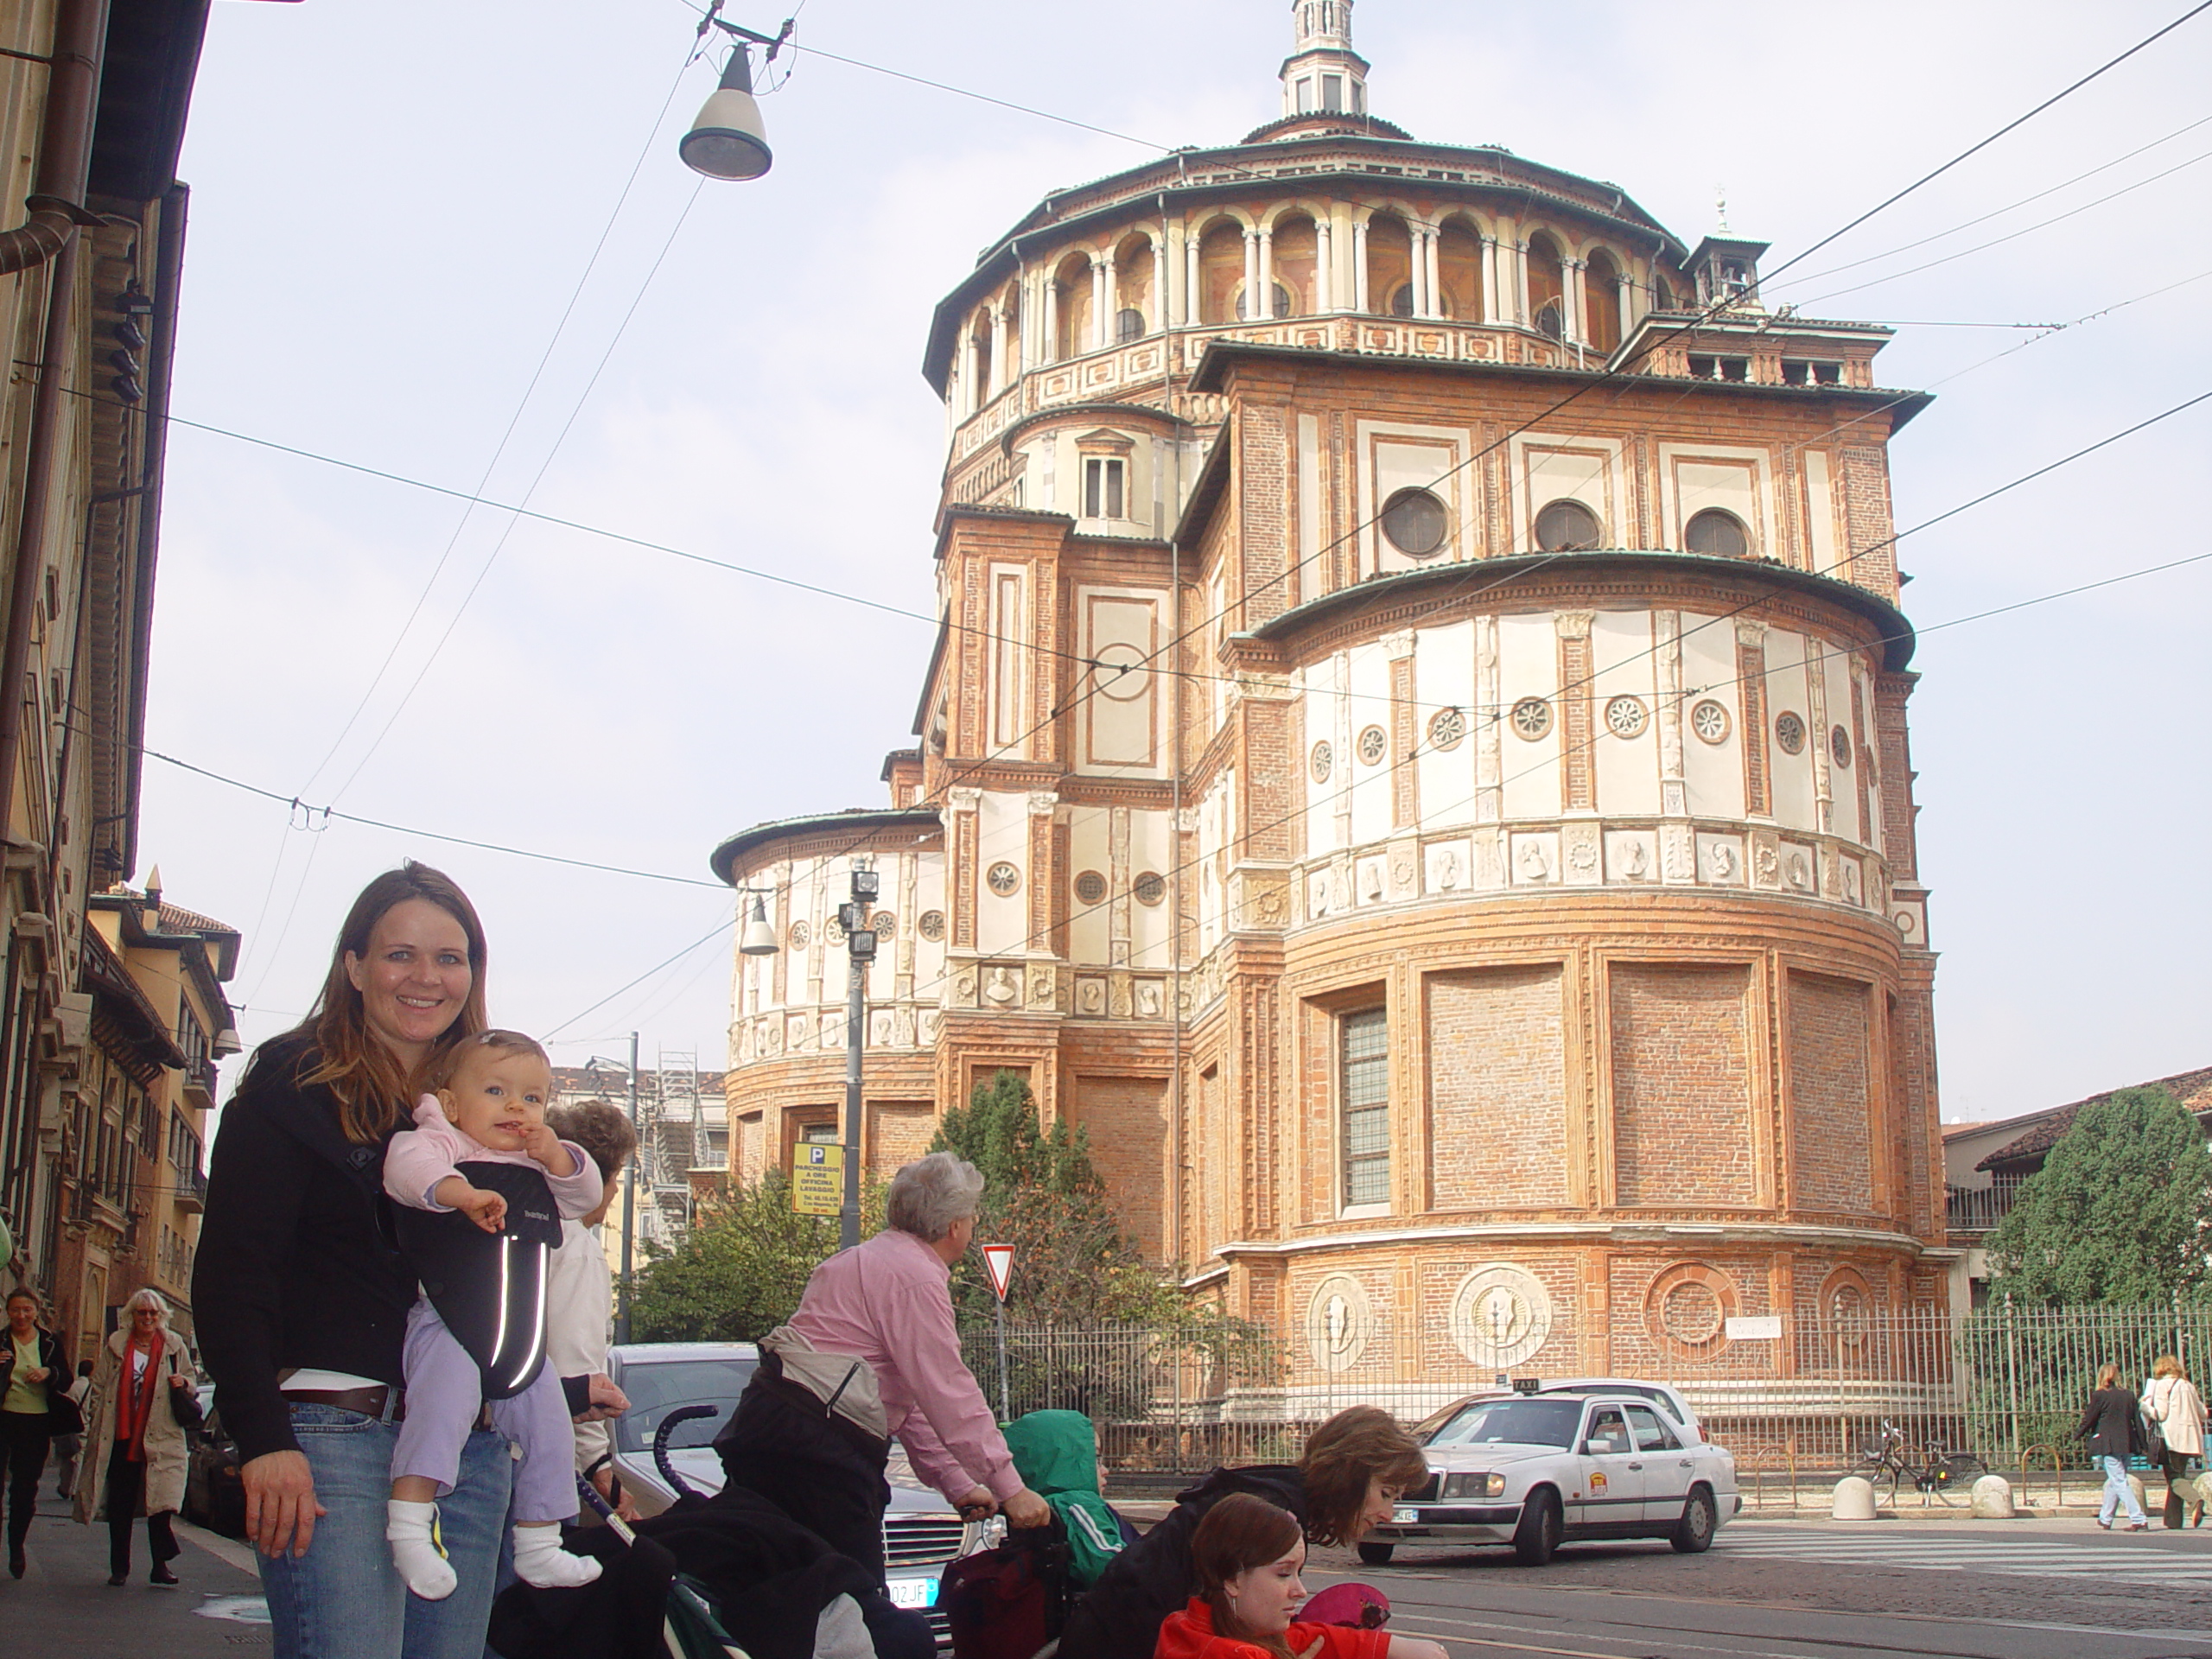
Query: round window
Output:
(931,926)
(1416,522)
(1531,718)
(1089,887)
(1446,727)
(1374,744)
(1004,879)
(1149,888)
(1789,732)
(1568,527)
(1718,533)
(801,935)
(1839,746)
(1401,303)
(1324,758)
(1709,719)
(1625,717)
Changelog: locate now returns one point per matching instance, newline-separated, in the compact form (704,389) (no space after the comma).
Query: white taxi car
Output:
(1537,1470)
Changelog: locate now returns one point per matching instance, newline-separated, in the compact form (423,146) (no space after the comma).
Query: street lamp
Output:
(860,945)
(727,139)
(759,938)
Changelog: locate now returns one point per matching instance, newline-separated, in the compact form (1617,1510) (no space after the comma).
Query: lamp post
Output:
(859,946)
(727,139)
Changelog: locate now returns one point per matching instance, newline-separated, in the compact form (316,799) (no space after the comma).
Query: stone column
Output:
(1267,265)
(1574,301)
(1251,309)
(1193,300)
(1629,297)
(1325,264)
(1432,268)
(1048,349)
(1001,347)
(1489,279)
(1359,296)
(1109,307)
(1520,283)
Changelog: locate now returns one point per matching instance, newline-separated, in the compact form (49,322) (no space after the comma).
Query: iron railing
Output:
(1978,1208)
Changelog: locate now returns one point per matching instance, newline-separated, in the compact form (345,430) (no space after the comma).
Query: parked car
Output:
(1667,1397)
(1537,1470)
(214,1497)
(921,1532)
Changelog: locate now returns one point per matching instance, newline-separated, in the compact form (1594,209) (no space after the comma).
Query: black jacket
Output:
(1120,1617)
(58,1378)
(296,1267)
(2108,1423)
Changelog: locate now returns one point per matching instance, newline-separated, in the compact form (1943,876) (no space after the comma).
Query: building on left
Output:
(93,97)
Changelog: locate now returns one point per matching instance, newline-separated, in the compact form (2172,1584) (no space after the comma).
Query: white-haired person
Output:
(135,1448)
(872,1353)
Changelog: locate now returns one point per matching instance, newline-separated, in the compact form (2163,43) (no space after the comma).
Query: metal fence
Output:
(1797,1406)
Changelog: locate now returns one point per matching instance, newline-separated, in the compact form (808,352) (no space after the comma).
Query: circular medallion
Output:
(1374,744)
(1691,1313)
(931,926)
(1004,879)
(1789,733)
(1324,758)
(1688,1309)
(1339,1321)
(1089,887)
(1839,746)
(1500,1316)
(801,936)
(885,924)
(834,931)
(1709,719)
(1531,718)
(1119,670)
(1625,716)
(1447,728)
(1149,888)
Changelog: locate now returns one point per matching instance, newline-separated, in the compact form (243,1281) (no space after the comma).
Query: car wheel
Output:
(1536,1539)
(1693,1534)
(1375,1555)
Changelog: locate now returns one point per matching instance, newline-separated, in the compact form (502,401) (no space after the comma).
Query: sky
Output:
(455,245)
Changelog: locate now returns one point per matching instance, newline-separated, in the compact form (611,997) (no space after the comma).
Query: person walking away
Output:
(1354,1468)
(581,1292)
(30,1377)
(2108,1425)
(67,1447)
(2173,1403)
(301,1299)
(872,1352)
(1247,1556)
(140,1400)
(483,1160)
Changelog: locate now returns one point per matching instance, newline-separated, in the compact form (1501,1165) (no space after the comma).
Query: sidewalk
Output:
(64,1603)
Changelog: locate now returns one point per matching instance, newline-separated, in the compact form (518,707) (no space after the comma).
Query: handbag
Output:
(184,1404)
(63,1414)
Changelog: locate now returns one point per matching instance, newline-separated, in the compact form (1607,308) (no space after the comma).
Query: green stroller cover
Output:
(1056,1454)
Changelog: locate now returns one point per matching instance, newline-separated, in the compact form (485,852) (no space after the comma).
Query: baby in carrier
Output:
(484,1184)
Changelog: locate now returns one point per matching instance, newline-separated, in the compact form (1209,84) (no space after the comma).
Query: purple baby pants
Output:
(444,1391)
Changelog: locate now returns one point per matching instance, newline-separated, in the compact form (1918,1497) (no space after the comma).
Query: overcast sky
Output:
(392,205)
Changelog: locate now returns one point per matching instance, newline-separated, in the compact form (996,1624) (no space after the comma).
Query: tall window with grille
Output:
(1363,1042)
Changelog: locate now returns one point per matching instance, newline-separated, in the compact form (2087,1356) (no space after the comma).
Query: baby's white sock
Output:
(539,1560)
(421,1564)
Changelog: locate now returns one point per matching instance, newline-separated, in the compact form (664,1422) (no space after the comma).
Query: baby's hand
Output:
(542,1145)
(487,1209)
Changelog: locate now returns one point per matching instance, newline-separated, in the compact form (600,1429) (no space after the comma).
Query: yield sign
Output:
(998,1261)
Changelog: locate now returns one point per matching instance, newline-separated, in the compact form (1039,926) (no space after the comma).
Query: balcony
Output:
(1976,1210)
(191,1192)
(199,1080)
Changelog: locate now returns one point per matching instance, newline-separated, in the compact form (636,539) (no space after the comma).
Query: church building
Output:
(1415,762)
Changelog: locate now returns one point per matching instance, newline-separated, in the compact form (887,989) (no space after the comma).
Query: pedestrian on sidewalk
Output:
(580,1293)
(2173,1403)
(142,1403)
(2109,1424)
(302,1300)
(30,1380)
(67,1447)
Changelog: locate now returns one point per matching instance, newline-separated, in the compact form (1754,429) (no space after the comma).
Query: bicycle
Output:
(1936,1472)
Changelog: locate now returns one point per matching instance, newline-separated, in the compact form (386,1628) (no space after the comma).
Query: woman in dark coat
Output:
(2108,1425)
(32,1377)
(1355,1467)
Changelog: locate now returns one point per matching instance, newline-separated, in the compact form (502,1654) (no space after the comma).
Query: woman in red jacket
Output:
(1248,1554)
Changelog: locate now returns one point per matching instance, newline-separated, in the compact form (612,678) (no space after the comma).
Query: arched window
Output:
(1602,300)
(1717,532)
(1221,270)
(980,342)
(1389,265)
(1072,331)
(1459,272)
(1547,300)
(1296,254)
(1134,287)
(1568,526)
(1401,300)
(1129,325)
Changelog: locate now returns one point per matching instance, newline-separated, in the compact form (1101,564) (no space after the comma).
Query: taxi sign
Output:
(817,1178)
(998,1262)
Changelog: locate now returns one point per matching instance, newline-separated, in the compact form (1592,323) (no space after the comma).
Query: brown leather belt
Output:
(370,1403)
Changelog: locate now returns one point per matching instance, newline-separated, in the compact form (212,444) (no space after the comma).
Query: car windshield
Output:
(658,1387)
(1512,1422)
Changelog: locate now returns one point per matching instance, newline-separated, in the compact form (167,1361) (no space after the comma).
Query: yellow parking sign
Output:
(817,1178)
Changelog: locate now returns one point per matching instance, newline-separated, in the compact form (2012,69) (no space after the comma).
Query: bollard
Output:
(1854,1499)
(1992,1498)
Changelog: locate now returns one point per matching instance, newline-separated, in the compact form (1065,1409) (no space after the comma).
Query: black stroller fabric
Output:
(768,1577)
(490,1287)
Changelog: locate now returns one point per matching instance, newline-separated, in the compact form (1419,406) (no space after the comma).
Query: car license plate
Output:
(913,1593)
(1404,1517)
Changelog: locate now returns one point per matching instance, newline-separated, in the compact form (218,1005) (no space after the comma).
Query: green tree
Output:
(740,1271)
(2119,1213)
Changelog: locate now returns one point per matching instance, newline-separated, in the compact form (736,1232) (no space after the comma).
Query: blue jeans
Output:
(344,1599)
(2118,1491)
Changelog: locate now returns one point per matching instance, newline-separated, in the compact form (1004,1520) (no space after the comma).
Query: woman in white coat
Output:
(135,1449)
(2172,1402)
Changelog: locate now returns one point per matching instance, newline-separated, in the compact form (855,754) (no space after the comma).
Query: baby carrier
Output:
(490,1287)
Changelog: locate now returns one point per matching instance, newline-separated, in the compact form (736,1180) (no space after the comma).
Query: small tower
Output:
(1324,75)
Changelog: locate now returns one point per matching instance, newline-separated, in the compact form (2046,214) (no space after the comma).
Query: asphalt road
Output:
(2043,1589)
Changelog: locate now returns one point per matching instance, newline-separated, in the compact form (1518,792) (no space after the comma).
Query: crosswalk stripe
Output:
(2028,1557)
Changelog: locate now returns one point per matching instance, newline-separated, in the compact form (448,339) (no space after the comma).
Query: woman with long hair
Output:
(139,1452)
(1355,1466)
(31,1378)
(2108,1425)
(302,1299)
(1247,1556)
(2173,1403)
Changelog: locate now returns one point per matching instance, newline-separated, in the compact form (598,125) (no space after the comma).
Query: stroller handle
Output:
(668,1426)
